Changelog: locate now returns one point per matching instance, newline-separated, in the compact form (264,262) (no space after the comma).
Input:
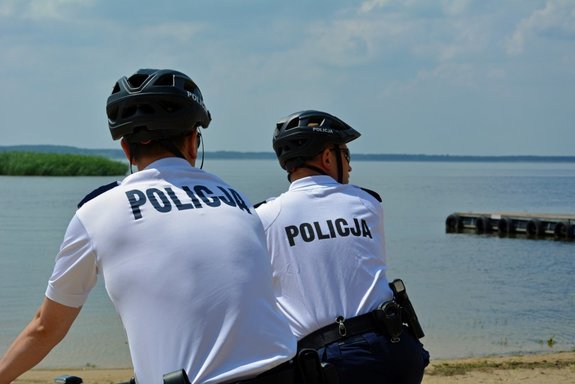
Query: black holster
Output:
(409,316)
(389,320)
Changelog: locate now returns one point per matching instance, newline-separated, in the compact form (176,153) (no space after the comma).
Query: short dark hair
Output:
(155,147)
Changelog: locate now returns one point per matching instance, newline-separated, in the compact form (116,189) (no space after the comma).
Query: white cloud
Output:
(175,31)
(347,42)
(368,6)
(43,9)
(406,30)
(7,8)
(359,36)
(400,55)
(455,7)
(558,16)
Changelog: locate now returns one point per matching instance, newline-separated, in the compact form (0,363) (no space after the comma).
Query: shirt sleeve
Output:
(75,271)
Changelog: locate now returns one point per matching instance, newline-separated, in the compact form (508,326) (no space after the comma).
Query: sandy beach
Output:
(555,368)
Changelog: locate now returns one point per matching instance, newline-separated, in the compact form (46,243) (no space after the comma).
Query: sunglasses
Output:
(345,152)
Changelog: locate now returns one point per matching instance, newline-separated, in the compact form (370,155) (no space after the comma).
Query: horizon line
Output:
(357,156)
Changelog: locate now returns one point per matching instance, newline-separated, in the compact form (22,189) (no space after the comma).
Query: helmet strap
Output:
(201,141)
(305,165)
(133,149)
(321,171)
(339,163)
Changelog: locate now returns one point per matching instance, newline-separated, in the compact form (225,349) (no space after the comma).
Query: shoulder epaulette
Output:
(373,193)
(260,203)
(265,201)
(97,192)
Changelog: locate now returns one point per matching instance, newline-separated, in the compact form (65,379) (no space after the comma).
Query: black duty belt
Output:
(341,329)
(285,373)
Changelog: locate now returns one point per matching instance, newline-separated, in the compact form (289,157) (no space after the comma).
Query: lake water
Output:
(475,295)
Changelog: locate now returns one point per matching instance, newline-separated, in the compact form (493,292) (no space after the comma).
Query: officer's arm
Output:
(48,327)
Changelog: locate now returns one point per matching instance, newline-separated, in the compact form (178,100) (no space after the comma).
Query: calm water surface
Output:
(475,295)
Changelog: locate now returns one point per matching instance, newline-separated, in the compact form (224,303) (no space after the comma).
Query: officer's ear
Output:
(327,160)
(191,145)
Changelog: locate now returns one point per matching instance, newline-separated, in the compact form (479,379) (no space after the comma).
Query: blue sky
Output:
(477,77)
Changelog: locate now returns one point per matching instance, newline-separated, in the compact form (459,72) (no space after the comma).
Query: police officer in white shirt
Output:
(182,254)
(327,248)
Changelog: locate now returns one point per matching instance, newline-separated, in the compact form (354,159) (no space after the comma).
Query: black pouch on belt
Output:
(176,377)
(388,318)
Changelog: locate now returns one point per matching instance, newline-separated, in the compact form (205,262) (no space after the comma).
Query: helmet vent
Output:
(165,80)
(112,113)
(130,111)
(141,109)
(291,125)
(170,107)
(314,121)
(137,80)
(191,86)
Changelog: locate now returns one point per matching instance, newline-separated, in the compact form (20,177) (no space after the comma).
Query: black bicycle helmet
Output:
(154,104)
(303,135)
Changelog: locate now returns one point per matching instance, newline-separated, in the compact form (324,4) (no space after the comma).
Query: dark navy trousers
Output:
(372,358)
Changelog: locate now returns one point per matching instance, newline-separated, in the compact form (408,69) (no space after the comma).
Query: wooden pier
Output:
(530,225)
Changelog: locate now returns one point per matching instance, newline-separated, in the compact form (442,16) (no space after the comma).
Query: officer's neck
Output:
(143,160)
(312,170)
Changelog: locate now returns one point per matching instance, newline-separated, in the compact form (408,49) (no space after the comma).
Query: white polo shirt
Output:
(184,261)
(327,250)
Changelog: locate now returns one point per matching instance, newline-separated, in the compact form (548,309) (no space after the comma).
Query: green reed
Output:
(58,164)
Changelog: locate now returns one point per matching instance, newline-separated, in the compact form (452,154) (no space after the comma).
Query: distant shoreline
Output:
(118,154)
